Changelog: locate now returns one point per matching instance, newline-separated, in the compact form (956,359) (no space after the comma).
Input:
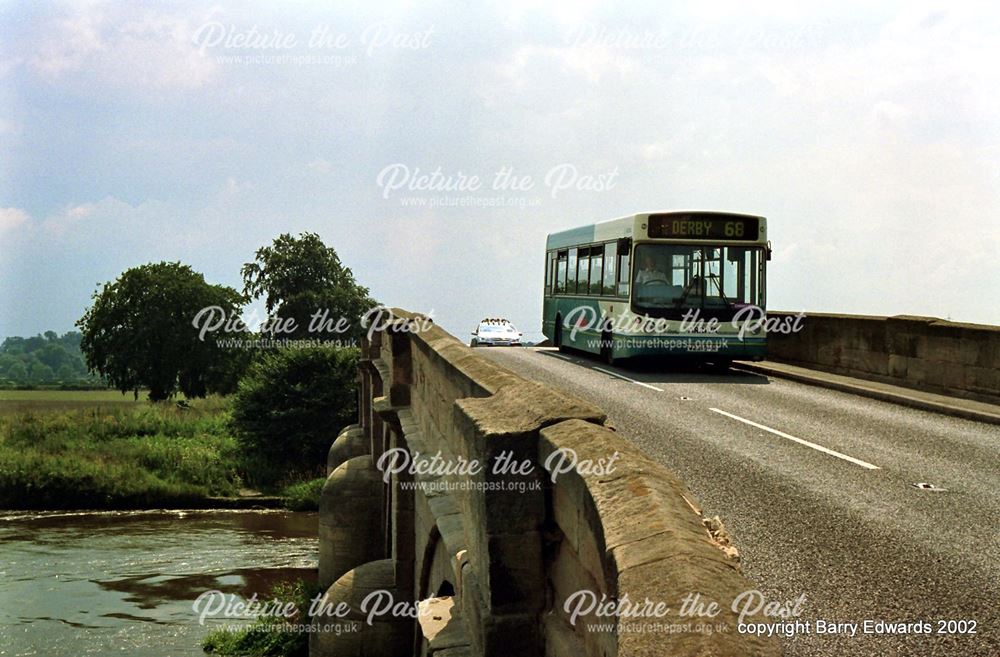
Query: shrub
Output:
(267,636)
(290,406)
(304,496)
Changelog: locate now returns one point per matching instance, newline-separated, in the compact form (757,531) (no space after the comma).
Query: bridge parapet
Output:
(493,553)
(925,353)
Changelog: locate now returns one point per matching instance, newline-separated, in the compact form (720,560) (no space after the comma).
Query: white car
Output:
(496,332)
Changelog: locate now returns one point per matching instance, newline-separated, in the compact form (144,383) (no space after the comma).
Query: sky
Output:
(867,133)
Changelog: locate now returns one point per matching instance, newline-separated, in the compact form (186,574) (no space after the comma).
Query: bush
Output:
(304,496)
(267,636)
(290,406)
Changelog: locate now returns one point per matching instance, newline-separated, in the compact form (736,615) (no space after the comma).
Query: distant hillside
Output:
(48,359)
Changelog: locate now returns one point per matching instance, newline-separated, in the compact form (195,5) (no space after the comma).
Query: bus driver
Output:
(649,271)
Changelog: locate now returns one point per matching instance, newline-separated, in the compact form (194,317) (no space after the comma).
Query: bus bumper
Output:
(700,347)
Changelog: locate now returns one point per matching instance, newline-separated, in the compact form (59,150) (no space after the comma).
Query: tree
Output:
(65,374)
(61,354)
(140,333)
(290,406)
(300,276)
(53,354)
(40,372)
(17,372)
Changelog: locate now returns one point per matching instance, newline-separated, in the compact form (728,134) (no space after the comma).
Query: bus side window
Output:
(561,273)
(550,265)
(571,274)
(610,260)
(623,273)
(596,269)
(583,264)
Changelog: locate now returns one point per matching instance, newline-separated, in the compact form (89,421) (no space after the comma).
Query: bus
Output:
(685,283)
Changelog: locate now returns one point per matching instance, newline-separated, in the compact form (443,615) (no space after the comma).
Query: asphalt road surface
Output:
(817,489)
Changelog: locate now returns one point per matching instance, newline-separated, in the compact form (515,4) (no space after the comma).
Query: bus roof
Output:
(588,233)
(614,228)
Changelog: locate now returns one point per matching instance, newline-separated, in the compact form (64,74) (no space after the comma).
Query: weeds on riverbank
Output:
(304,496)
(117,456)
(269,636)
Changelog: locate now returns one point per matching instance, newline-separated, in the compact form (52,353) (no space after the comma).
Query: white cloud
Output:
(67,42)
(121,46)
(320,165)
(9,128)
(518,13)
(12,218)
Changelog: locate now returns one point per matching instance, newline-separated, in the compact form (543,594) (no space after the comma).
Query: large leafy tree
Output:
(140,333)
(300,276)
(290,406)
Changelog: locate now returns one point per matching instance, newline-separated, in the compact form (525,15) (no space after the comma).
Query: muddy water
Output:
(123,583)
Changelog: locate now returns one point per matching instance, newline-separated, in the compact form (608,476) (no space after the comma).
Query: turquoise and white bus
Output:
(679,283)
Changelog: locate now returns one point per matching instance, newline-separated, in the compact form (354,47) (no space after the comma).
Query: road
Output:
(819,494)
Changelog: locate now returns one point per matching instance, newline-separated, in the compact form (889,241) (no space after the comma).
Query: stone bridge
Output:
(473,512)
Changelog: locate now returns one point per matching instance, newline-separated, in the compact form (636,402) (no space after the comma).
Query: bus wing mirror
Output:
(624,245)
(768,250)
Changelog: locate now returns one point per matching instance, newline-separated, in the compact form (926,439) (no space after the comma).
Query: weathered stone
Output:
(350,443)
(925,353)
(354,636)
(897,366)
(560,639)
(349,518)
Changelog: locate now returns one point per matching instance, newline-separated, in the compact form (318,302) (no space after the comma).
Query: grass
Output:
(67,395)
(265,636)
(43,401)
(110,454)
(303,496)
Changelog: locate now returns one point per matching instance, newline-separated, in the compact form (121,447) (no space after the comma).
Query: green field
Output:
(68,449)
(98,449)
(66,395)
(20,401)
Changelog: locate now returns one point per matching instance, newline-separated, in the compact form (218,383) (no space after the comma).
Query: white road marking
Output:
(625,378)
(614,374)
(825,450)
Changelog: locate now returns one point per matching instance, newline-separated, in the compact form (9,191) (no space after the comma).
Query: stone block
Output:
(567,576)
(560,639)
(948,374)
(983,380)
(515,571)
(506,635)
(940,349)
(897,366)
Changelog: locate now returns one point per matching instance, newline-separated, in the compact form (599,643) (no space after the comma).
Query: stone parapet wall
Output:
(924,353)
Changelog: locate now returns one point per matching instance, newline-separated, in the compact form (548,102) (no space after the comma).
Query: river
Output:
(124,582)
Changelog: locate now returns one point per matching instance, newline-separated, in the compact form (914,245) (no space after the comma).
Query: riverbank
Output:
(114,454)
(100,450)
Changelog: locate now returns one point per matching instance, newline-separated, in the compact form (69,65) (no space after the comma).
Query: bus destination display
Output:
(703,227)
